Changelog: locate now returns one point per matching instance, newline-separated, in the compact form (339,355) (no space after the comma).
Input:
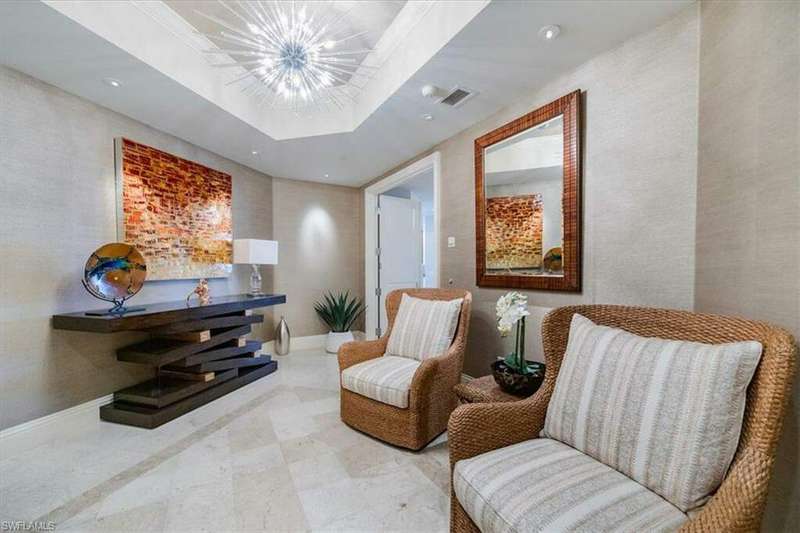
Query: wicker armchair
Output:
(738,504)
(431,397)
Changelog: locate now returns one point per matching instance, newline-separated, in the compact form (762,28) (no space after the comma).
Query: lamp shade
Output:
(255,252)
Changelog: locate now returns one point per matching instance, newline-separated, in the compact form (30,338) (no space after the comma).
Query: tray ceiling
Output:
(155,50)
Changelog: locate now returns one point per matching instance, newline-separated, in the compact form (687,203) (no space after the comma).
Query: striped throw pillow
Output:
(666,413)
(423,328)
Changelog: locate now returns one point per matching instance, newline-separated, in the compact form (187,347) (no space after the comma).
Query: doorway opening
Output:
(401,227)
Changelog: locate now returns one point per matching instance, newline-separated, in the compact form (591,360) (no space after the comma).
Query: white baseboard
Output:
(310,342)
(49,427)
(69,421)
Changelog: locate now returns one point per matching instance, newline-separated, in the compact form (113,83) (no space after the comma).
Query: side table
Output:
(482,390)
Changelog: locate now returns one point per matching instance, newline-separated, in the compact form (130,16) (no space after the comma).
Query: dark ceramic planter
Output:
(515,383)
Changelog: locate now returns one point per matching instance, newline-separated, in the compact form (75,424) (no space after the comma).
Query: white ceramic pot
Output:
(336,339)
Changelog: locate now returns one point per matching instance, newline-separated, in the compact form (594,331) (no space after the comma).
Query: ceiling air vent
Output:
(457,97)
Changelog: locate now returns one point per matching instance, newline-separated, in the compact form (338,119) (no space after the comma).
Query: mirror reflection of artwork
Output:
(514,232)
(177,213)
(524,171)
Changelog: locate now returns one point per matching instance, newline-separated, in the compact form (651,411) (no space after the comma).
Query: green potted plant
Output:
(513,373)
(339,313)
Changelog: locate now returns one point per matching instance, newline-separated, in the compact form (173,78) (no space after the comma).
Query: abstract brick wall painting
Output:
(176,212)
(514,232)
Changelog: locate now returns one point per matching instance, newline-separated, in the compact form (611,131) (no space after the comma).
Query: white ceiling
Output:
(168,85)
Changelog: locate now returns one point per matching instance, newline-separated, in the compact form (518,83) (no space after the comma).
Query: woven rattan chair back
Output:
(738,504)
(431,396)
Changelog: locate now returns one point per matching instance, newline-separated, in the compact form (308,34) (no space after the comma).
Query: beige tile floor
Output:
(273,456)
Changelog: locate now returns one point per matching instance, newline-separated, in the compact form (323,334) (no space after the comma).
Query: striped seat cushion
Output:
(666,413)
(385,379)
(544,485)
(423,328)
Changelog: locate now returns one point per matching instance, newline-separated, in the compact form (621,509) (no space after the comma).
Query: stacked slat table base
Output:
(197,356)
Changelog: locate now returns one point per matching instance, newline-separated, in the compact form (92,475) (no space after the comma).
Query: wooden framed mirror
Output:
(528,200)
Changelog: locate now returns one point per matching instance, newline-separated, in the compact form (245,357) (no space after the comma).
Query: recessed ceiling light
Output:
(254,152)
(427,116)
(430,91)
(548,33)
(112,82)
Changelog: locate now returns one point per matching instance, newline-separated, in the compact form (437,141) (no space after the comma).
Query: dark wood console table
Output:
(199,353)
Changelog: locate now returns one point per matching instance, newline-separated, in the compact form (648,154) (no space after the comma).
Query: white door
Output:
(400,244)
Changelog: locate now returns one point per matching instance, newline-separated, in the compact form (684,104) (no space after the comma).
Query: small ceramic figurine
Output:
(202,293)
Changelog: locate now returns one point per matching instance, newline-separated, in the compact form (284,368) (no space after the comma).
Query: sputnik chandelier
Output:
(292,56)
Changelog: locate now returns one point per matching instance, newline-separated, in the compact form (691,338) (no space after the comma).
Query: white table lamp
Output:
(255,252)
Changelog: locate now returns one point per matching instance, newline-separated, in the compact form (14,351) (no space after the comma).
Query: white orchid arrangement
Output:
(512,308)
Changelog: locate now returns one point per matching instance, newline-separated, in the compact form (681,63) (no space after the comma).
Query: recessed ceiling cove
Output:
(174,37)
(162,59)
(294,54)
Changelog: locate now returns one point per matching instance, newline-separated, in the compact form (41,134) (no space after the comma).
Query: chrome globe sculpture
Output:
(114,273)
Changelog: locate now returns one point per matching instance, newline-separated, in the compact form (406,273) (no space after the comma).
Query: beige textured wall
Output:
(748,190)
(320,230)
(57,204)
(640,130)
